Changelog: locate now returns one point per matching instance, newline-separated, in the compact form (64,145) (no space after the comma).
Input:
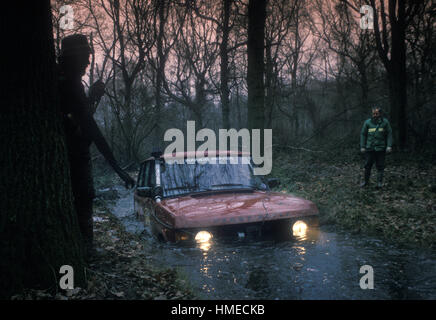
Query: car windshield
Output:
(188,176)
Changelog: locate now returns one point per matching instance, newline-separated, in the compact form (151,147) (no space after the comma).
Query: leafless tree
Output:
(189,82)
(124,32)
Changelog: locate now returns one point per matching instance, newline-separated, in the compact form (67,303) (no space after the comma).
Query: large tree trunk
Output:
(255,69)
(160,73)
(393,57)
(38,226)
(224,65)
(269,86)
(398,102)
(398,75)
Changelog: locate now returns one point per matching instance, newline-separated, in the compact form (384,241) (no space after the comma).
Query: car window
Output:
(140,182)
(145,174)
(151,179)
(182,177)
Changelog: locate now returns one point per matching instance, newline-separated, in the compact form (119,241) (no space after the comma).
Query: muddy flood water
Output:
(323,264)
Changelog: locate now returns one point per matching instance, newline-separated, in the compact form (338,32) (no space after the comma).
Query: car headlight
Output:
(203,236)
(299,228)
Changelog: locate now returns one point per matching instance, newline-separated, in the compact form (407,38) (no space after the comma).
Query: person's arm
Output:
(96,92)
(92,131)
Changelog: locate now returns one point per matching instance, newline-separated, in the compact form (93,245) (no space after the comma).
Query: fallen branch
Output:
(128,165)
(300,148)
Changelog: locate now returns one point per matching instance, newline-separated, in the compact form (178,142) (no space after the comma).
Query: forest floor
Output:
(119,270)
(403,211)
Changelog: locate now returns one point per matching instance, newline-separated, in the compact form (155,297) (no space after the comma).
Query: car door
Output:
(137,199)
(150,181)
(143,203)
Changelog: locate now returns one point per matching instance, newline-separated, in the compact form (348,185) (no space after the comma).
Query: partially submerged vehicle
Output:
(195,196)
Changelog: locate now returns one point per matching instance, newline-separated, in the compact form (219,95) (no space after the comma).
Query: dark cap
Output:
(75,44)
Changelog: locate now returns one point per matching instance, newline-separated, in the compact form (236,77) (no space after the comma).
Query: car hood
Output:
(204,210)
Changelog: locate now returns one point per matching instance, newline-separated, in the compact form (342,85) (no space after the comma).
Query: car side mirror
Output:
(144,191)
(273,182)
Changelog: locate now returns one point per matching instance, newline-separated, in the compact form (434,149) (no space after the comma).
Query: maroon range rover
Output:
(194,199)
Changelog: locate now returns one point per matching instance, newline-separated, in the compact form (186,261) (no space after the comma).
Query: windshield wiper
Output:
(182,188)
(232,185)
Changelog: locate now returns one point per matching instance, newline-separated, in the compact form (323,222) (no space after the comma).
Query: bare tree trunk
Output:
(38,225)
(238,107)
(269,86)
(398,75)
(255,70)
(224,65)
(160,72)
(393,57)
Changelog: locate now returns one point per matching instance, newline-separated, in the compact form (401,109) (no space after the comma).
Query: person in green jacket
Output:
(375,141)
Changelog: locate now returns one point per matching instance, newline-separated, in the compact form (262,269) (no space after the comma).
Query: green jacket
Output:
(376,136)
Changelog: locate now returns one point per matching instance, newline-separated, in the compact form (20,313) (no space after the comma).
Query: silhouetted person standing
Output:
(81,129)
(375,141)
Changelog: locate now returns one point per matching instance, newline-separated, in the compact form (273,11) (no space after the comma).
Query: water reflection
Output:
(300,250)
(204,246)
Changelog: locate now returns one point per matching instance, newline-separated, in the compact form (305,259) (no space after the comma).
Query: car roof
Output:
(200,154)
